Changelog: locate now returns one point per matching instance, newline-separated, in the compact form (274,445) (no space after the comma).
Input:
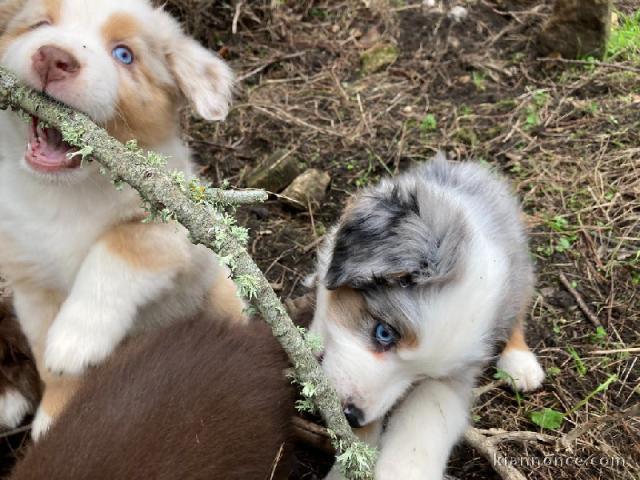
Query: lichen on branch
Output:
(204,212)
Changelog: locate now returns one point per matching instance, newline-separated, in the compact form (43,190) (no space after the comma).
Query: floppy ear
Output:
(204,79)
(8,10)
(398,237)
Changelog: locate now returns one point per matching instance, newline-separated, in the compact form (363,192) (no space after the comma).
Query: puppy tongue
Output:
(46,149)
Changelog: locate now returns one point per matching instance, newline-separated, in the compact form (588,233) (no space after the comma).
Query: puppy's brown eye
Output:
(42,23)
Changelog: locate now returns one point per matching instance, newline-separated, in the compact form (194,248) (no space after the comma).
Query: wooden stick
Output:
(488,450)
(580,301)
(617,66)
(15,431)
(617,350)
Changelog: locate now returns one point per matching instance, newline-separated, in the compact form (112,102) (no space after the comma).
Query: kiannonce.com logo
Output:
(561,461)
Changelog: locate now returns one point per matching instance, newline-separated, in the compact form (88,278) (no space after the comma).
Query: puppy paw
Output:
(41,424)
(13,408)
(70,352)
(523,367)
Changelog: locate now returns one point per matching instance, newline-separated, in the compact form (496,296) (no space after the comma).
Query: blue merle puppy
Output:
(419,280)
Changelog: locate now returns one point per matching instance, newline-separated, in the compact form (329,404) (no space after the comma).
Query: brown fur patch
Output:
(46,10)
(147,246)
(347,307)
(516,341)
(224,299)
(57,393)
(120,27)
(408,339)
(194,400)
(53,9)
(8,10)
(146,109)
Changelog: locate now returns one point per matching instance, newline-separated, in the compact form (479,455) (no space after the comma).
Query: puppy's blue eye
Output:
(385,336)
(123,55)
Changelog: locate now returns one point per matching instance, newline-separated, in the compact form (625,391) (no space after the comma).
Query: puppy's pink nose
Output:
(53,64)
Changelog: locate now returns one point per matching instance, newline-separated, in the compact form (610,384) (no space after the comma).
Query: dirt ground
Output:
(566,135)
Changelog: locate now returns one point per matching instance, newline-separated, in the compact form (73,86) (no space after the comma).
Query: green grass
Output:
(480,81)
(429,123)
(624,42)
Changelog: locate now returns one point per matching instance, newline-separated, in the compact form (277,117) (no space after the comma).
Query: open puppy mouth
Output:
(47,151)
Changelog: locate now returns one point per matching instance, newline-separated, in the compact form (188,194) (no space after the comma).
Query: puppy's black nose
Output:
(354,415)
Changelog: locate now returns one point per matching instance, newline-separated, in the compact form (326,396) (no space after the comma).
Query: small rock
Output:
(309,189)
(378,57)
(458,14)
(428,3)
(576,28)
(276,172)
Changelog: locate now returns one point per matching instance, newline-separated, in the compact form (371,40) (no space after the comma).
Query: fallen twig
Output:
(617,66)
(616,350)
(267,64)
(580,301)
(487,448)
(567,440)
(479,391)
(15,431)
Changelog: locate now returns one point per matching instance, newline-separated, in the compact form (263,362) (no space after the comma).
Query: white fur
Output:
(422,431)
(523,367)
(13,408)
(100,310)
(41,424)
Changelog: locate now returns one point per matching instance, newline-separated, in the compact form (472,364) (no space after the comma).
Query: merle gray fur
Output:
(412,232)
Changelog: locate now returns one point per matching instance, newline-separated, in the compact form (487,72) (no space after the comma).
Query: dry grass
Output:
(566,135)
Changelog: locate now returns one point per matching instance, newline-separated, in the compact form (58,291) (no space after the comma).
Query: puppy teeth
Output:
(42,134)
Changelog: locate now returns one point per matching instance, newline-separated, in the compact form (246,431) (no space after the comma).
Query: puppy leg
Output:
(35,309)
(58,391)
(132,266)
(519,362)
(423,429)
